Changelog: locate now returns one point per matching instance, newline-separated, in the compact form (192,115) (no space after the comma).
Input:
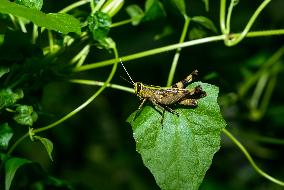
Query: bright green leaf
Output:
(34,4)
(180,5)
(6,134)
(153,9)
(99,25)
(180,152)
(3,71)
(8,97)
(11,166)
(48,145)
(136,13)
(205,22)
(54,21)
(25,115)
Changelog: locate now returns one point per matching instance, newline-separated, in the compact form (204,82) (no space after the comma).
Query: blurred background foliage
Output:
(95,148)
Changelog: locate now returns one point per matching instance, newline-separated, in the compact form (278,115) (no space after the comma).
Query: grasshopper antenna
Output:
(126,72)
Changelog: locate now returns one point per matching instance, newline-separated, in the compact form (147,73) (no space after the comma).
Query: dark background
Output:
(95,148)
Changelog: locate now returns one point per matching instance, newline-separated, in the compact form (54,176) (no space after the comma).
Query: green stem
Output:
(50,40)
(17,143)
(173,47)
(22,25)
(270,62)
(223,17)
(265,33)
(234,41)
(269,90)
(98,83)
(82,54)
(120,23)
(74,5)
(255,99)
(14,21)
(35,34)
(229,15)
(253,164)
(177,54)
(150,52)
(88,101)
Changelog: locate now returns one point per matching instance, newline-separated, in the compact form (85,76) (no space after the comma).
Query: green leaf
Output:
(153,9)
(11,166)
(54,21)
(180,152)
(99,24)
(34,4)
(48,145)
(197,33)
(3,71)
(6,134)
(136,13)
(25,115)
(167,30)
(180,5)
(205,22)
(8,97)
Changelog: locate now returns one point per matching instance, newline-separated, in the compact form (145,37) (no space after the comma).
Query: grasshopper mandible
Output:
(163,97)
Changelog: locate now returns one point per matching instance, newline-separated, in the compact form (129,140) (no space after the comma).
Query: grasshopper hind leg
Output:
(184,83)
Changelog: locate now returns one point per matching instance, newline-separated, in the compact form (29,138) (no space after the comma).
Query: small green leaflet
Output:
(48,145)
(25,115)
(181,151)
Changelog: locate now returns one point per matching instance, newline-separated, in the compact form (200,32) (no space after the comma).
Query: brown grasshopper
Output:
(163,97)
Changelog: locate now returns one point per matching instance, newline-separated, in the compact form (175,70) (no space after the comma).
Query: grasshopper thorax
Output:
(138,86)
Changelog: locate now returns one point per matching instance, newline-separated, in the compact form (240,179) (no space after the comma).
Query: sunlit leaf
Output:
(48,145)
(9,97)
(6,134)
(136,13)
(34,4)
(180,152)
(54,21)
(99,24)
(11,167)
(25,115)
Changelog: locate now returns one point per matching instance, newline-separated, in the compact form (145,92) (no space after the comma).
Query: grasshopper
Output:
(163,97)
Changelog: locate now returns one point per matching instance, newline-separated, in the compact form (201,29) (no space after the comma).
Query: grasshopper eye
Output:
(138,87)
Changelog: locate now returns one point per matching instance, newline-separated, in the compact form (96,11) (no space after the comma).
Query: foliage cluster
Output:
(43,55)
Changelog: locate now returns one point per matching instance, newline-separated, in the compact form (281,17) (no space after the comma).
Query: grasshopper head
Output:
(138,87)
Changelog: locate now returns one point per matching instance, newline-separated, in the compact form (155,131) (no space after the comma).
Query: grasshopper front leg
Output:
(139,108)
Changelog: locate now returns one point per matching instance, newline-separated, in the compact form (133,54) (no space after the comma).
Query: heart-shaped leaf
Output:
(179,152)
